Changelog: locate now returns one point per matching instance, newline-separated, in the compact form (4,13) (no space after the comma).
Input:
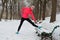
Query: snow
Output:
(8,29)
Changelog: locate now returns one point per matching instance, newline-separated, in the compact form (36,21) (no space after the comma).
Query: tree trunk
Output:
(10,9)
(14,8)
(37,9)
(53,13)
(44,10)
(6,9)
(2,9)
(19,7)
(40,16)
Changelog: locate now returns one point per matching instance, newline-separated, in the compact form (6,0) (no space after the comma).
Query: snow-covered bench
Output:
(47,28)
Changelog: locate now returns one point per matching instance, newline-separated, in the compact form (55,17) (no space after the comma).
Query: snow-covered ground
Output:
(8,29)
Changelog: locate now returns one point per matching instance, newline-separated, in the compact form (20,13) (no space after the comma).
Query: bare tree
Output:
(19,7)
(36,8)
(3,2)
(10,9)
(44,9)
(14,5)
(40,11)
(4,5)
(6,9)
(53,13)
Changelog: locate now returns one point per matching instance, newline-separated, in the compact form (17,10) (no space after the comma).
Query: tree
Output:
(19,7)
(6,1)
(36,8)
(40,11)
(44,9)
(10,9)
(3,5)
(3,2)
(53,13)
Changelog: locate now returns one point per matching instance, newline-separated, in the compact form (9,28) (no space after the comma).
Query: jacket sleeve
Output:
(32,15)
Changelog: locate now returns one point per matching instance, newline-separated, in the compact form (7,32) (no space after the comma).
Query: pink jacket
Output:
(26,11)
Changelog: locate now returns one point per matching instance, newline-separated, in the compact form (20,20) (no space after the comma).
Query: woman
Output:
(25,13)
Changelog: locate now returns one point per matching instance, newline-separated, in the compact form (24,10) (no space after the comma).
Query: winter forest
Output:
(10,9)
(46,12)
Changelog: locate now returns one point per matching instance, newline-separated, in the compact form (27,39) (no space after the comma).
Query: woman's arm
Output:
(32,15)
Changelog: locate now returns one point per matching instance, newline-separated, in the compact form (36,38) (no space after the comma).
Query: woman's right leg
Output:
(22,20)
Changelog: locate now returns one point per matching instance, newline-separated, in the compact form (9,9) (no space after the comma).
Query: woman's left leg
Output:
(31,22)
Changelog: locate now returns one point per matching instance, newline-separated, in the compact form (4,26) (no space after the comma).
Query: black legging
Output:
(22,20)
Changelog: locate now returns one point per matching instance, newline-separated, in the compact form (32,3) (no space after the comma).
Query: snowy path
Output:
(8,29)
